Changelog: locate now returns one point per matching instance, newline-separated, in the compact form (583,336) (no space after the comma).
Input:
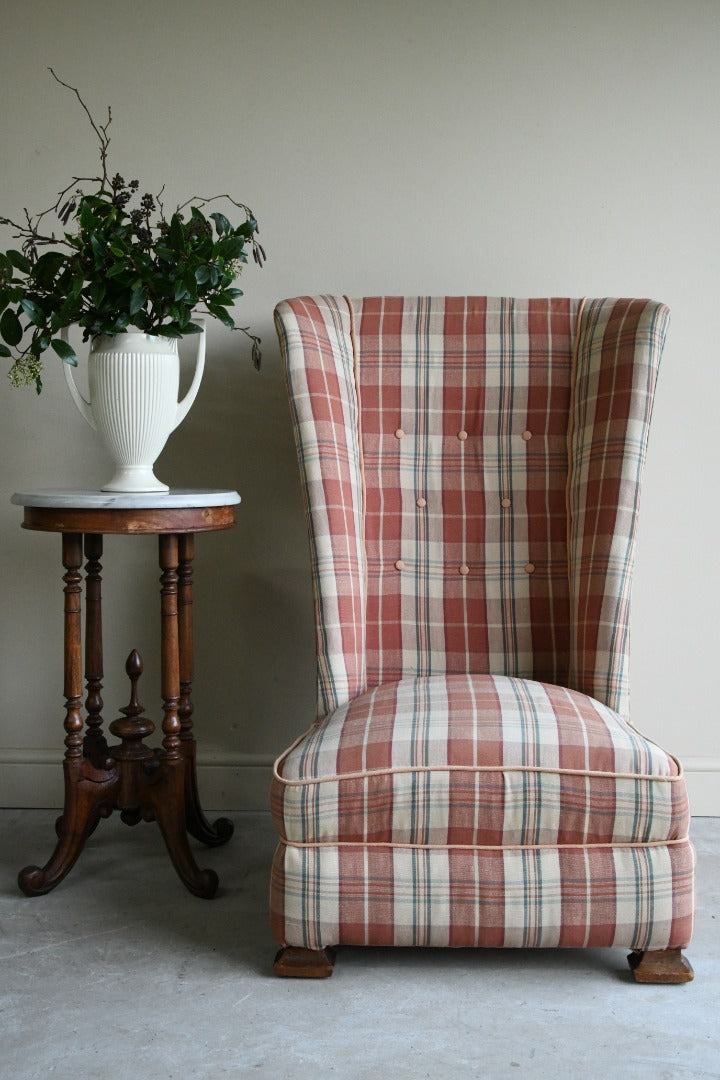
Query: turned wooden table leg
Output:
(168,793)
(86,793)
(220,831)
(95,745)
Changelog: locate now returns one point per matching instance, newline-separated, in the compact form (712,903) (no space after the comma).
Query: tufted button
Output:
(399,433)
(464,570)
(529,568)
(399,565)
(421,502)
(527,435)
(505,502)
(462,435)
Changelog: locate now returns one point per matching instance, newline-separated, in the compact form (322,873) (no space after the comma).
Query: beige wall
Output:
(468,146)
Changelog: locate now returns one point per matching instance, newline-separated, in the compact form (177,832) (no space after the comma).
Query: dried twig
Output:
(100,130)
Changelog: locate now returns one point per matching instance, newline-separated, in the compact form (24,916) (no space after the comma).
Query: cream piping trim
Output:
(359,774)
(570,444)
(485,847)
(356,376)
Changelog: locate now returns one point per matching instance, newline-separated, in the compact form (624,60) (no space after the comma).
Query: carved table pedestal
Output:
(143,783)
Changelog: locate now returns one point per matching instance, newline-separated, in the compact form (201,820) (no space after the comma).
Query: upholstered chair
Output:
(471,469)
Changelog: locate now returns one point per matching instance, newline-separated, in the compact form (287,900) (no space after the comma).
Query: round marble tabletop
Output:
(175,499)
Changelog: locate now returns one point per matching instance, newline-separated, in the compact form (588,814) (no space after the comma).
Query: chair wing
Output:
(315,338)
(618,350)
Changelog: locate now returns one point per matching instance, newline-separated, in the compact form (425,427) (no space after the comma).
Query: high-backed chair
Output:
(471,469)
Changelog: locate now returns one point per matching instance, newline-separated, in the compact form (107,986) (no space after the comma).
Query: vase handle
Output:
(184,406)
(84,406)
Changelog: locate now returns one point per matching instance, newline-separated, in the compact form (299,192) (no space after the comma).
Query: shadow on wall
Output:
(255,658)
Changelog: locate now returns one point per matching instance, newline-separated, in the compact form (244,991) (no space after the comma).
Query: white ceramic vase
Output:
(133,381)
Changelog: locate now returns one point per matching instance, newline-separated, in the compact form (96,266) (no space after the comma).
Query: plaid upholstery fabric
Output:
(315,339)
(499,416)
(634,897)
(618,352)
(463,379)
(477,760)
(471,469)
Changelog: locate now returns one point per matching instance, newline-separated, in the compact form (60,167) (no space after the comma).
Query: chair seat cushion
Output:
(477,760)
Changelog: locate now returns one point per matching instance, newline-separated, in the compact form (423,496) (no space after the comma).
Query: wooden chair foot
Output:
(660,966)
(298,963)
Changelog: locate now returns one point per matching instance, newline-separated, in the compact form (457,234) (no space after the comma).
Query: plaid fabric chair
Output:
(471,469)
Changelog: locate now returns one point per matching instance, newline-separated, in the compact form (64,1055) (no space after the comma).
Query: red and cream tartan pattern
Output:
(463,379)
(316,343)
(477,760)
(524,426)
(636,897)
(471,468)
(617,355)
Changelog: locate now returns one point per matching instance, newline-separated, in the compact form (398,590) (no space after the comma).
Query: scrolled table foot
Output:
(38,880)
(212,834)
(165,794)
(223,828)
(33,881)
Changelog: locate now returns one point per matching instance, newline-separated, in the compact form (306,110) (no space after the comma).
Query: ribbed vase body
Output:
(134,381)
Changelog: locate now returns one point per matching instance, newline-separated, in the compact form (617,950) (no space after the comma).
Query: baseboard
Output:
(703,782)
(34,778)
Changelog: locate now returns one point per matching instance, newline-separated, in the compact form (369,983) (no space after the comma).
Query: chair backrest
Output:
(471,468)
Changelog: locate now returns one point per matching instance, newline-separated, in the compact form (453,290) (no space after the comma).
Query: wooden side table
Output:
(143,783)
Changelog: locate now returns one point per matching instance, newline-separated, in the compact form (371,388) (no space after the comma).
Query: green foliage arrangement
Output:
(117,266)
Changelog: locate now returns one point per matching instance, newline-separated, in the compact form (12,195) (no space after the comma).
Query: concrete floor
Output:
(120,972)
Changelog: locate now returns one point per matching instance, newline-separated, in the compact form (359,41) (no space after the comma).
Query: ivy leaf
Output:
(96,293)
(87,218)
(221,314)
(34,312)
(172,330)
(65,351)
(4,351)
(47,267)
(10,327)
(223,298)
(231,247)
(177,233)
(137,300)
(98,251)
(20,262)
(221,223)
